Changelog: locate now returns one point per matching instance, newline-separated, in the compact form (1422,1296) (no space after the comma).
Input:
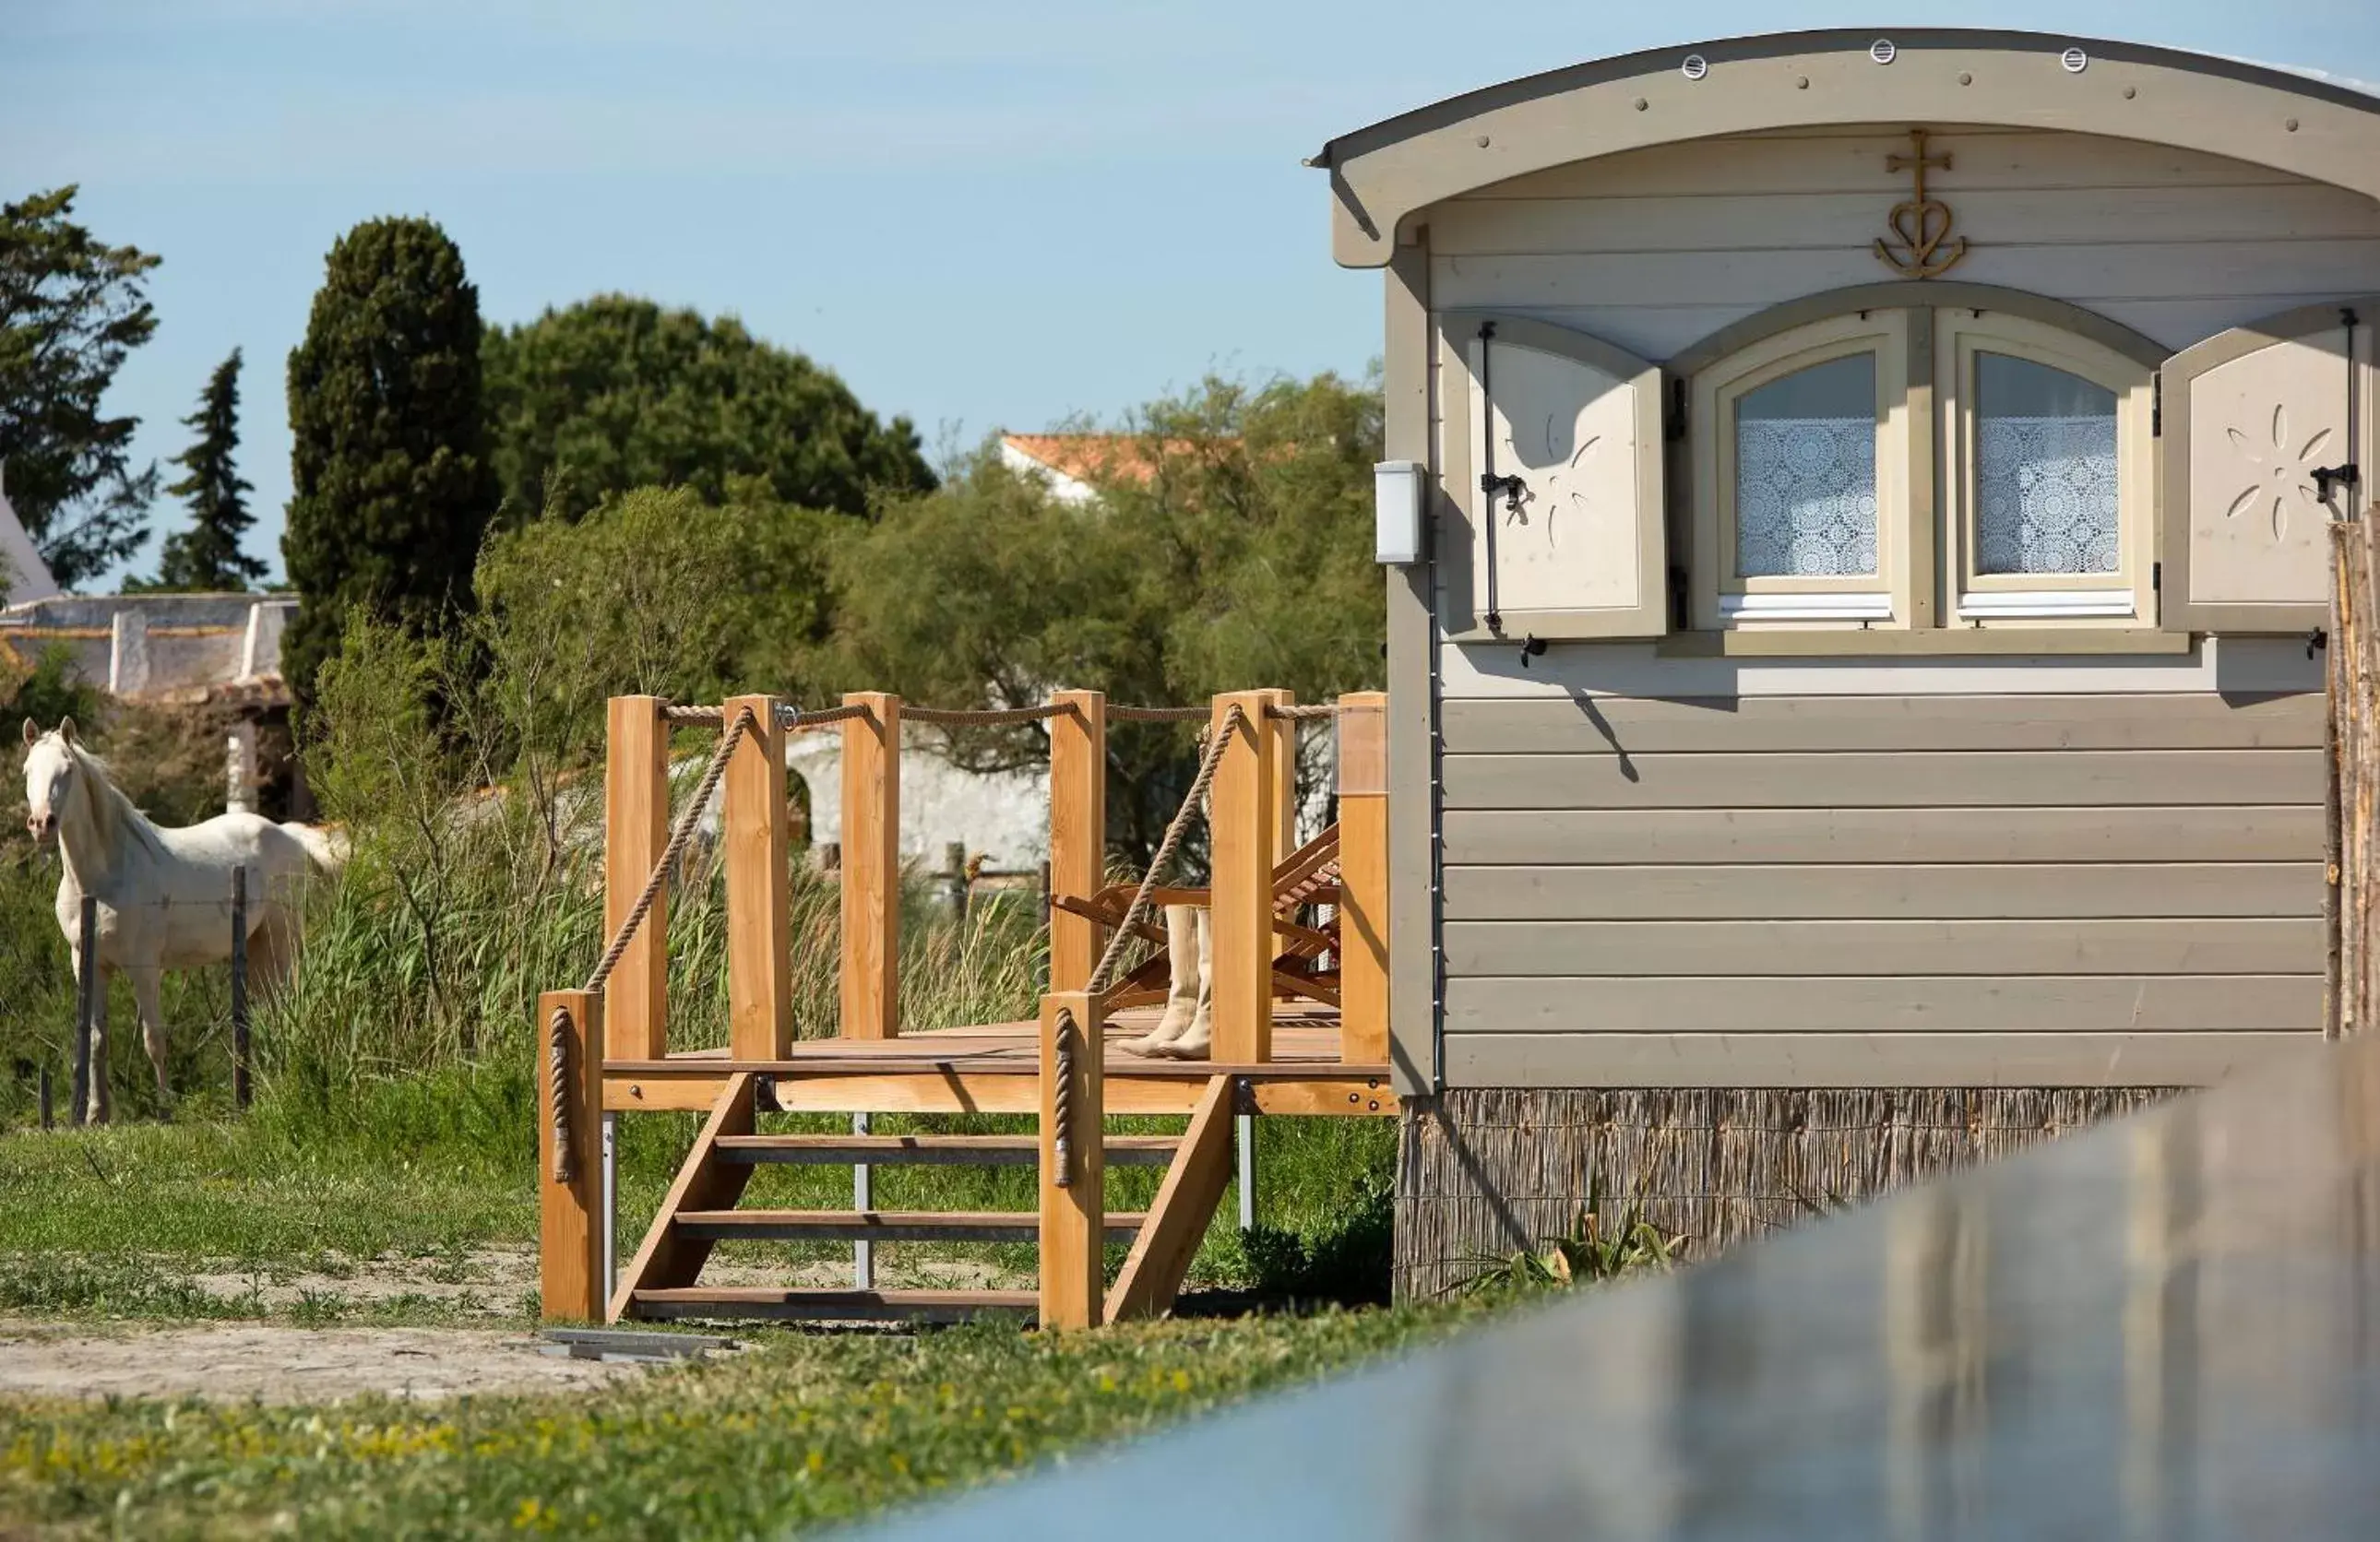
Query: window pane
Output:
(1806,472)
(2045,469)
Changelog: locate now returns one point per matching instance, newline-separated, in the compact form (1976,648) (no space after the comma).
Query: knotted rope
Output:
(557,1050)
(1062,1150)
(1236,722)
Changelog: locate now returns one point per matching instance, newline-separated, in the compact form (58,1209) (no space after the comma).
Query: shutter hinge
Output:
(2156,577)
(1674,425)
(2156,404)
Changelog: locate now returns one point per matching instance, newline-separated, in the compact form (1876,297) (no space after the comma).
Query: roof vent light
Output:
(2075,61)
(1882,51)
(1695,67)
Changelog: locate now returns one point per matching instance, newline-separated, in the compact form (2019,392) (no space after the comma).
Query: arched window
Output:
(1915,465)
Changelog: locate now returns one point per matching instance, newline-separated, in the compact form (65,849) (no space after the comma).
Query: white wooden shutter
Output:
(2249,414)
(1579,422)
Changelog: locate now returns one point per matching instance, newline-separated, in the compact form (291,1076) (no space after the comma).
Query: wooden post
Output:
(954,878)
(1364,878)
(1078,833)
(1245,826)
(239,1064)
(1073,1198)
(86,1012)
(752,833)
(635,828)
(871,867)
(570,1221)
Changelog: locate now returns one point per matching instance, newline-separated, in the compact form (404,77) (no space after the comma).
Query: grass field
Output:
(802,1430)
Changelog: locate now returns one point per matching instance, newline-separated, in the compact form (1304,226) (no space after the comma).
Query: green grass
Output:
(803,1430)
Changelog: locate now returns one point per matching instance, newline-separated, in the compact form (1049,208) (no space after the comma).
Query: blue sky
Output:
(981,215)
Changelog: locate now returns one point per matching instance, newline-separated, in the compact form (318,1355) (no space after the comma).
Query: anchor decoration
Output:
(1920,245)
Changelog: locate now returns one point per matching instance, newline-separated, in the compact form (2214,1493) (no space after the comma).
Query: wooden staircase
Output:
(703,1209)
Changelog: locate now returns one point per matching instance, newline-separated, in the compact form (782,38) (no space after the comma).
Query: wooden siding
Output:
(1655,248)
(1878,891)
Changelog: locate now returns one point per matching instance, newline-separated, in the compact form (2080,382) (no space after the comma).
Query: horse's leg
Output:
(146,984)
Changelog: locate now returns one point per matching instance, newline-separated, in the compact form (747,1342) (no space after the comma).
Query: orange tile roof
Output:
(1091,457)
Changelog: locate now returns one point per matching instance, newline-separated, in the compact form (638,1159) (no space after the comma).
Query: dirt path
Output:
(233,1362)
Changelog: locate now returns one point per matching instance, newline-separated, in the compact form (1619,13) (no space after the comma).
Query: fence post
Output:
(752,833)
(1078,833)
(871,867)
(1363,773)
(569,1164)
(86,1008)
(954,877)
(1074,1161)
(1244,827)
(239,1063)
(635,828)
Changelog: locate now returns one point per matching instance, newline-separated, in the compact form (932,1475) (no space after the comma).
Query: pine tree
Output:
(71,308)
(207,556)
(393,490)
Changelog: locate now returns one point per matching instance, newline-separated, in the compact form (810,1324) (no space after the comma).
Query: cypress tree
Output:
(208,556)
(392,489)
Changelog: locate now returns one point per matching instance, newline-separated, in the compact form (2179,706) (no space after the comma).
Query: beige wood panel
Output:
(1852,160)
(2083,274)
(2017,779)
(2232,665)
(1662,332)
(1495,227)
(1886,892)
(2233,833)
(1881,722)
(2243,946)
(1944,1003)
(1865,1059)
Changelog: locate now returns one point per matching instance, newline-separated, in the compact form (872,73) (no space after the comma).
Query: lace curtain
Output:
(2046,494)
(1804,496)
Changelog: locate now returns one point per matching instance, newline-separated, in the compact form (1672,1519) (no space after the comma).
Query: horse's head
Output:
(50,769)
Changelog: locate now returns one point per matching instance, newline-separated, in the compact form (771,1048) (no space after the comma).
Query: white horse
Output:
(164,895)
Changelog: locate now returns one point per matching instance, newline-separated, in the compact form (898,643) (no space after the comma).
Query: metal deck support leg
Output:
(1247,1142)
(863,1253)
(610,1204)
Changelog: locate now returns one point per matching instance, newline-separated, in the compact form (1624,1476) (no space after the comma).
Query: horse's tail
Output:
(328,846)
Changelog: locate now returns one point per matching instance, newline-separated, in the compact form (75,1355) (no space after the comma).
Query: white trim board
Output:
(2236,665)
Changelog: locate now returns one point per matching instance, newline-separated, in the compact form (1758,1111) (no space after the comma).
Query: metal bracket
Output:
(2327,477)
(2316,640)
(764,1094)
(1531,646)
(1510,487)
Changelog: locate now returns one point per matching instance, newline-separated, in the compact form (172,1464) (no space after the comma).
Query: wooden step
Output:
(878,1225)
(829,1306)
(931,1150)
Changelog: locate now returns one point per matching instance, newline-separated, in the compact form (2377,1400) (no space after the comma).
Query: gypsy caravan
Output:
(1858,536)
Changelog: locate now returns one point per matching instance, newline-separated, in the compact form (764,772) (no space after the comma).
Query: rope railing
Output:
(1119,713)
(793,719)
(981,716)
(1104,975)
(679,835)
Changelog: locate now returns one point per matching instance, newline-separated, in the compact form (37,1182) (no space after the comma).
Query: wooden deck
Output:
(994,1069)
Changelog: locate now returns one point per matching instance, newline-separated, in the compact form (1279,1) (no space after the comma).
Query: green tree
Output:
(615,393)
(71,307)
(207,556)
(392,486)
(1229,547)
